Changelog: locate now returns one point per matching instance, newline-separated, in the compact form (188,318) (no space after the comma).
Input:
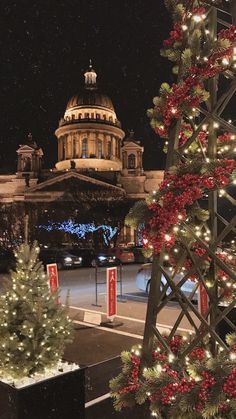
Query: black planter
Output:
(223,327)
(58,397)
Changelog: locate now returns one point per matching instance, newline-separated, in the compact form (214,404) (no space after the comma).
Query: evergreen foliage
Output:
(34,328)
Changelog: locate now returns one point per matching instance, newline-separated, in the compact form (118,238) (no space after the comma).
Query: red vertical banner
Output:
(111,292)
(53,278)
(202,300)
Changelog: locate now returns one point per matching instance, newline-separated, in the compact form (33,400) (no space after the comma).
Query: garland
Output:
(182,187)
(184,98)
(196,386)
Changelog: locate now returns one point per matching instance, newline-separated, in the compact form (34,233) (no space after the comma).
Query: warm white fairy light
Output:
(171,358)
(225,61)
(197,18)
(221,192)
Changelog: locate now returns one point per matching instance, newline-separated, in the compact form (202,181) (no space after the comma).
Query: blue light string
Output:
(80,230)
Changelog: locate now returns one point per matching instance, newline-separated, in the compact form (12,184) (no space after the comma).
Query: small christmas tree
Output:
(34,329)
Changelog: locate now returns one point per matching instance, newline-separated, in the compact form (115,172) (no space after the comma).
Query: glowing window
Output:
(99,149)
(84,148)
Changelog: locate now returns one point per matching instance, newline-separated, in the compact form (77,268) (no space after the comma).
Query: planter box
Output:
(58,397)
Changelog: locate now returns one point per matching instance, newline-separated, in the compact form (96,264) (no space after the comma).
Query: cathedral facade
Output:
(92,151)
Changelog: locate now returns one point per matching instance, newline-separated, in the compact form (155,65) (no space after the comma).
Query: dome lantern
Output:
(90,77)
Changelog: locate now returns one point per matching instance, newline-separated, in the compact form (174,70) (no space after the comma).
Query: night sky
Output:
(45,47)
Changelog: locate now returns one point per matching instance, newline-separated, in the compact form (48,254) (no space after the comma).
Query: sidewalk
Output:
(99,350)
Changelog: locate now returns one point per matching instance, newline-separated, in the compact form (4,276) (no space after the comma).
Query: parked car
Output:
(138,255)
(91,257)
(7,260)
(102,258)
(61,257)
(125,255)
(143,279)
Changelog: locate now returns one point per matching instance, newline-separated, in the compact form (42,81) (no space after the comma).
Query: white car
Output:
(143,278)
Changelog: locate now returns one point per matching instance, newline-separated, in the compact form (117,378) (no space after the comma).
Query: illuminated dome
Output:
(89,133)
(90,97)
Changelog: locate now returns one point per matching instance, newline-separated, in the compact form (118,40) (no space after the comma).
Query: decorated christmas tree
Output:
(187,222)
(34,328)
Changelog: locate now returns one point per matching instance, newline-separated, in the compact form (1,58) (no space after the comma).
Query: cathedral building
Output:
(93,152)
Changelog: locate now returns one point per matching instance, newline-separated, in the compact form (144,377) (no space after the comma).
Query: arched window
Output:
(131,161)
(99,149)
(84,148)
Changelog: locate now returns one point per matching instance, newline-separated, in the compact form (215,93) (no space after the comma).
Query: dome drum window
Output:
(84,148)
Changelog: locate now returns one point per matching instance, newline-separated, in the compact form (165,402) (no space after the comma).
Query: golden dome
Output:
(90,97)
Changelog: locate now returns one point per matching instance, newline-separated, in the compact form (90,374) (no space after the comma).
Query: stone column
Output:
(77,148)
(91,143)
(59,149)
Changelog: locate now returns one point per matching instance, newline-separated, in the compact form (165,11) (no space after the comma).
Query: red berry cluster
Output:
(157,356)
(223,407)
(199,11)
(168,393)
(225,137)
(176,343)
(133,380)
(136,363)
(230,384)
(185,386)
(207,382)
(172,391)
(175,35)
(233,347)
(197,354)
(228,33)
